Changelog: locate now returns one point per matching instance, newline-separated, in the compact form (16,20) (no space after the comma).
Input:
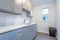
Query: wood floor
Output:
(41,36)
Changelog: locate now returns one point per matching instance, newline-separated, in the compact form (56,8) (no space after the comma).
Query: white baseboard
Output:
(43,32)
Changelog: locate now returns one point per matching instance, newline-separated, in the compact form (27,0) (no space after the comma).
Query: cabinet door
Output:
(6,4)
(34,30)
(9,36)
(3,37)
(17,6)
(0,3)
(31,32)
(13,35)
(27,5)
(25,34)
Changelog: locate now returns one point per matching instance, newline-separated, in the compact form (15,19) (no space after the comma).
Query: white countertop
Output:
(13,27)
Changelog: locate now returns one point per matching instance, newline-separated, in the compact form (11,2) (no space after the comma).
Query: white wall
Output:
(58,18)
(37,17)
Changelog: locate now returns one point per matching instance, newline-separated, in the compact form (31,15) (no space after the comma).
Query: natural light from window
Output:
(45,14)
(45,10)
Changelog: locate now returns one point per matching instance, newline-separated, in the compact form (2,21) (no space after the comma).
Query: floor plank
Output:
(41,36)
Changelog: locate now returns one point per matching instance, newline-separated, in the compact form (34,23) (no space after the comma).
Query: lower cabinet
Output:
(13,35)
(26,33)
(29,32)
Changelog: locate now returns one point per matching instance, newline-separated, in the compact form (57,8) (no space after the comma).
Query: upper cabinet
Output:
(17,5)
(27,5)
(11,6)
(6,4)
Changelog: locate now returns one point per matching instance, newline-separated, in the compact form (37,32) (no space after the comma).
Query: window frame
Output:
(46,15)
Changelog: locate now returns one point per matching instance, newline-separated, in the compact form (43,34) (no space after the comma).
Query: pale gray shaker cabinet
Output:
(26,33)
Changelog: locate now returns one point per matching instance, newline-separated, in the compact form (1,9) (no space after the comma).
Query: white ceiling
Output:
(39,2)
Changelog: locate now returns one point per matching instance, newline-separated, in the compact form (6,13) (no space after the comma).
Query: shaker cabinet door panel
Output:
(9,36)
(27,5)
(6,4)
(17,6)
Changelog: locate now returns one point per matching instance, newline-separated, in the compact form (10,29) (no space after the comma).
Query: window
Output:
(45,14)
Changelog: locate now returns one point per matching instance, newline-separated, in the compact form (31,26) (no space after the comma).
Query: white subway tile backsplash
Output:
(8,19)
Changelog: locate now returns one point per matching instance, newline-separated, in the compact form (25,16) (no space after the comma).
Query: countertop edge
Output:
(17,28)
